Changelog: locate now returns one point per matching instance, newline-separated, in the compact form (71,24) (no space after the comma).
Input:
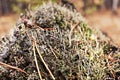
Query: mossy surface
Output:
(70,48)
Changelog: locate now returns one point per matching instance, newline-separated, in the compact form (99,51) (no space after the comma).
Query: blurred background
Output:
(100,14)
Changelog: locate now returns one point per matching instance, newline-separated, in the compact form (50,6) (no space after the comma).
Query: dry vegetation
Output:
(66,48)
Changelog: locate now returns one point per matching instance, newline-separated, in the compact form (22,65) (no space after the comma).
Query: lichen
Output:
(70,48)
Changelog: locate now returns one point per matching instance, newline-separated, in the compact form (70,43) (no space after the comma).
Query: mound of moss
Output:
(62,44)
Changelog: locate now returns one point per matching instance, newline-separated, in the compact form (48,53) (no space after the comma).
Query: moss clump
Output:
(70,48)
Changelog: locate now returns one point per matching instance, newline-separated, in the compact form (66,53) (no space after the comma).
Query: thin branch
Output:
(12,67)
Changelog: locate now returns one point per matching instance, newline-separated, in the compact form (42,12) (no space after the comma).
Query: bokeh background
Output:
(100,14)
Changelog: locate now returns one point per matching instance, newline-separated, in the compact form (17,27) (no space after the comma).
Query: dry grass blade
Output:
(52,51)
(12,67)
(44,61)
(73,27)
(36,62)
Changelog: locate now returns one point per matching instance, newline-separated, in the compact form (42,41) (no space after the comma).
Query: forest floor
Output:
(107,22)
(7,22)
(103,20)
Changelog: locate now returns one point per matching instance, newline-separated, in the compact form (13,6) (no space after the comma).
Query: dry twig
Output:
(12,67)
